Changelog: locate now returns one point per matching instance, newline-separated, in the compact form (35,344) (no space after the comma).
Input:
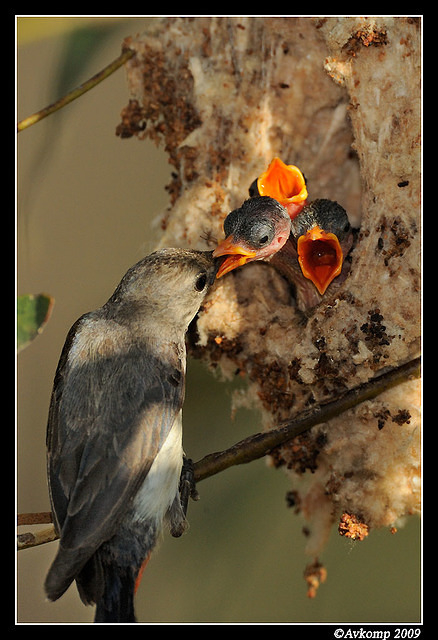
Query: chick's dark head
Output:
(255,231)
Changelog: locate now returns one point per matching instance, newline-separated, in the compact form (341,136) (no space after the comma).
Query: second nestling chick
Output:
(321,237)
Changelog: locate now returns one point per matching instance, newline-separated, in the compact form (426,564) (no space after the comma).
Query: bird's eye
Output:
(261,233)
(201,281)
(263,237)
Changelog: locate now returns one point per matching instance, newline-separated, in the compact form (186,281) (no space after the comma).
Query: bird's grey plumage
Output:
(114,448)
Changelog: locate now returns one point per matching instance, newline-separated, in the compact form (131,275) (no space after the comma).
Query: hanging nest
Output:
(340,98)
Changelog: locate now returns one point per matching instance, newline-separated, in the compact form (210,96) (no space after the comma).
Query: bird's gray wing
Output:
(107,421)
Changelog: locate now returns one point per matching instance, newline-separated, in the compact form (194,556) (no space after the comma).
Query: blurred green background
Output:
(89,207)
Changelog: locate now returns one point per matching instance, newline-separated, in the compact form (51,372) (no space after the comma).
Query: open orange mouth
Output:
(236,255)
(286,184)
(320,257)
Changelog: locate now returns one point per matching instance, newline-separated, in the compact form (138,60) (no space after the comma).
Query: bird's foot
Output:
(187,484)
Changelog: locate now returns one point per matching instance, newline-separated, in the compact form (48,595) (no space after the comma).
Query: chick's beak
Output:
(320,257)
(236,254)
(284,183)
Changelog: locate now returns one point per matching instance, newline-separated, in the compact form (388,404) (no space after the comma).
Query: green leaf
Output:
(33,311)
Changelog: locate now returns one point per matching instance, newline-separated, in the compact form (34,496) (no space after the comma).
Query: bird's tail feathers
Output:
(64,569)
(117,601)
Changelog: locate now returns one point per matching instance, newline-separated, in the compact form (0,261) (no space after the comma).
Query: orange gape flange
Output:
(236,255)
(320,257)
(285,183)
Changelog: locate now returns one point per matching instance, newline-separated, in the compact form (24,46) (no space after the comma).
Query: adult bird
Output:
(114,436)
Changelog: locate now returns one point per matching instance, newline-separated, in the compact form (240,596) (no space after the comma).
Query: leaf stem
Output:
(76,93)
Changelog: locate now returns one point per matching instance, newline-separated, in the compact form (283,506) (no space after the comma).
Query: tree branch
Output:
(30,539)
(260,444)
(44,517)
(76,93)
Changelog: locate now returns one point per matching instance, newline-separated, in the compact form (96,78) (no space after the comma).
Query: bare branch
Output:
(259,444)
(30,539)
(43,517)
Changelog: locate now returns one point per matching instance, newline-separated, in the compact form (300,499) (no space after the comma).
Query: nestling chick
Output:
(114,436)
(255,231)
(321,237)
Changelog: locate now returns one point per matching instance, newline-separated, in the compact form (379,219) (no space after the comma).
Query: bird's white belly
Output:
(162,482)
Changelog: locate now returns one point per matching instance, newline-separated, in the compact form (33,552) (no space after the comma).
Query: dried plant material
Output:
(314,574)
(339,98)
(351,527)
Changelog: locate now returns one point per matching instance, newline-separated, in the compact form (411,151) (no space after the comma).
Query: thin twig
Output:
(260,444)
(43,517)
(30,539)
(75,93)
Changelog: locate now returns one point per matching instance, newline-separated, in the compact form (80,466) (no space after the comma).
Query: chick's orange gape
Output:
(236,255)
(320,257)
(286,184)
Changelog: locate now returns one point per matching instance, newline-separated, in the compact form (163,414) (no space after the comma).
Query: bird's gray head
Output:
(257,222)
(255,231)
(327,214)
(168,285)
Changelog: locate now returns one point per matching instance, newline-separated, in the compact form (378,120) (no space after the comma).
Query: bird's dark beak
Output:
(236,254)
(286,184)
(320,257)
